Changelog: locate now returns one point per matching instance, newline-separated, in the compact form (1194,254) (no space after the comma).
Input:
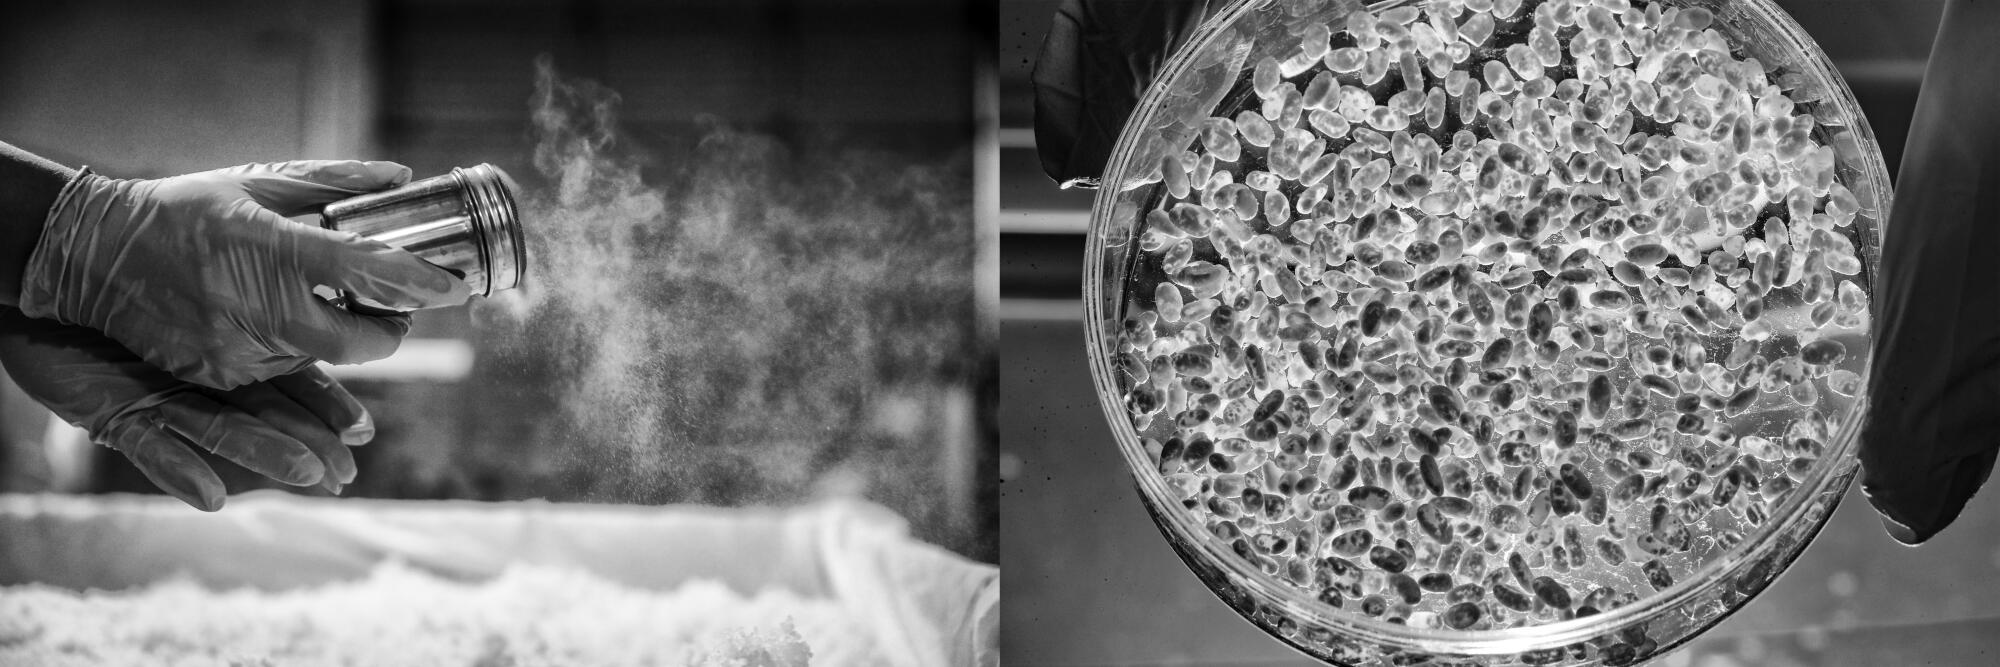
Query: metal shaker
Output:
(465,221)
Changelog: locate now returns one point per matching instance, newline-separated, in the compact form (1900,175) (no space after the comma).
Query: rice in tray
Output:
(529,615)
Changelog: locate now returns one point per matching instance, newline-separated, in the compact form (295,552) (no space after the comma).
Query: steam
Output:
(722,320)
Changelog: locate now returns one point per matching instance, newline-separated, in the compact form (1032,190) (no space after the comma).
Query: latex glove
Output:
(1098,59)
(202,275)
(1934,385)
(292,428)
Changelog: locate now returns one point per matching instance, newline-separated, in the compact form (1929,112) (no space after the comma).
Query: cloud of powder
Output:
(721,319)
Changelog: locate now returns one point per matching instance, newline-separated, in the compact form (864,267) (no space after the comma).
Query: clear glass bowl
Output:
(1213,76)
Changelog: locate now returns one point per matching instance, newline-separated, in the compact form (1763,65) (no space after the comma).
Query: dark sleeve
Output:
(1098,58)
(28,186)
(1934,420)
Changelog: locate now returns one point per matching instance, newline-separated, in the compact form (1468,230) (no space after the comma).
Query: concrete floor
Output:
(1090,581)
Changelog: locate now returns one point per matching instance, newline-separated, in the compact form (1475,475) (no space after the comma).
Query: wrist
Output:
(30,186)
(47,257)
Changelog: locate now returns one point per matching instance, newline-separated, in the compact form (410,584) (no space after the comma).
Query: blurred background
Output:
(1090,580)
(874,384)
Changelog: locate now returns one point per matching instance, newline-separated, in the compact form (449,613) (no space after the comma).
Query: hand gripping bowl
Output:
(1488,331)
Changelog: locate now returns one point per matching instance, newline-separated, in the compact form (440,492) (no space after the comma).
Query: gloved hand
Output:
(202,275)
(1098,59)
(292,428)
(1934,423)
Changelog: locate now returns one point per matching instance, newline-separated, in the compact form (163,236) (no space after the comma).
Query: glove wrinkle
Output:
(144,411)
(251,443)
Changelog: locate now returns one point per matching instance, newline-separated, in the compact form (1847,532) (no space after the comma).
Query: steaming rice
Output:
(400,616)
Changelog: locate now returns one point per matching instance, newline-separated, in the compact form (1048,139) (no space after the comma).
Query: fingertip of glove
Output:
(398,325)
(360,432)
(434,287)
(1895,519)
(449,284)
(1915,504)
(457,290)
(401,280)
(1901,533)
(305,471)
(351,175)
(204,499)
(391,173)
